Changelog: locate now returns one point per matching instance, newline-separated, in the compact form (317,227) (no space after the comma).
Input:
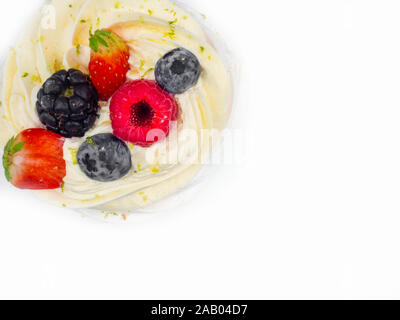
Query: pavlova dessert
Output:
(101,98)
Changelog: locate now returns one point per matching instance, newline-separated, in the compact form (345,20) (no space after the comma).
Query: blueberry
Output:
(104,158)
(177,71)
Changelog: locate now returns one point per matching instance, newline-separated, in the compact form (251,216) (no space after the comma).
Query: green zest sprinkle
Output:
(90,141)
(58,65)
(110,214)
(78,49)
(9,150)
(170,34)
(25,75)
(150,12)
(70,6)
(83,21)
(74,153)
(62,186)
(202,49)
(36,78)
(146,73)
(117,5)
(142,63)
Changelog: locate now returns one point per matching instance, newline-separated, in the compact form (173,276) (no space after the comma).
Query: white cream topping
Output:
(151,28)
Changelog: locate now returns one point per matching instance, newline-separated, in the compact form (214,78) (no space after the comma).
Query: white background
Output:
(314,211)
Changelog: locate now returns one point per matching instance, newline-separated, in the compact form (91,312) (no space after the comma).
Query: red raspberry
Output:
(141,112)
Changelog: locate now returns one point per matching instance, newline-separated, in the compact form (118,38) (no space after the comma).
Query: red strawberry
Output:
(108,62)
(140,110)
(34,160)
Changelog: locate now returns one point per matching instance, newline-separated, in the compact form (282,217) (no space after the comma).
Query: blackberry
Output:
(68,103)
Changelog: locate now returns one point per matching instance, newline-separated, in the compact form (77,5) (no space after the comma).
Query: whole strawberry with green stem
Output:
(109,62)
(34,160)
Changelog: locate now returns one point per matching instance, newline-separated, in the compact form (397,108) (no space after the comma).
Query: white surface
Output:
(313,213)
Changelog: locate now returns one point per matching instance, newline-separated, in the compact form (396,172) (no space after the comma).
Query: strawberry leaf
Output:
(103,33)
(7,173)
(99,37)
(18,147)
(9,145)
(94,45)
(6,158)
(102,41)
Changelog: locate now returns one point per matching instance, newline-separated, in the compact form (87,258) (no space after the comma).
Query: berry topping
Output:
(108,62)
(34,160)
(104,158)
(177,71)
(140,110)
(68,103)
